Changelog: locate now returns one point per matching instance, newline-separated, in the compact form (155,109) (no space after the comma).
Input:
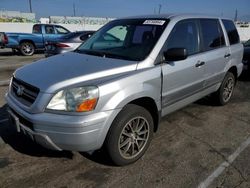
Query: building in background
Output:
(44,20)
(79,20)
(17,16)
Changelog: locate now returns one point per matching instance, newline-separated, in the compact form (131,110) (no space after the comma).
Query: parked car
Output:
(246,57)
(113,90)
(66,43)
(3,40)
(27,43)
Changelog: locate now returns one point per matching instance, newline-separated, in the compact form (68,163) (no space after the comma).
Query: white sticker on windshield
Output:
(154,22)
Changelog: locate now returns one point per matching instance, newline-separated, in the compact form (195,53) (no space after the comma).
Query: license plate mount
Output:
(15,121)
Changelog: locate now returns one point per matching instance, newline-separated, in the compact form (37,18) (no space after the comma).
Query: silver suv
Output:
(113,90)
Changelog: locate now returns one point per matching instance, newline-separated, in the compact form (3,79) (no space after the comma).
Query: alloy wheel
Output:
(133,137)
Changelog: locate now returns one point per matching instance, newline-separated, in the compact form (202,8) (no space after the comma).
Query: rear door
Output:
(182,79)
(38,39)
(236,48)
(216,54)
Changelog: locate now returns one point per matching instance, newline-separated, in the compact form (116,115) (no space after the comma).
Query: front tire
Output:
(225,92)
(130,135)
(27,48)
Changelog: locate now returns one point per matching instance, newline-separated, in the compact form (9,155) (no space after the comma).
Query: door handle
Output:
(227,55)
(199,64)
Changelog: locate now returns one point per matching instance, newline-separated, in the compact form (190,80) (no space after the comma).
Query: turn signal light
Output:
(87,105)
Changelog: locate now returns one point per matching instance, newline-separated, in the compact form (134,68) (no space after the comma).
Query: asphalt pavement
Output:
(201,145)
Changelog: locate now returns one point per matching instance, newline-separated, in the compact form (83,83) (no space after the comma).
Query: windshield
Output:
(130,39)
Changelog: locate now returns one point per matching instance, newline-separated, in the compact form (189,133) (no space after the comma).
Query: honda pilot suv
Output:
(113,90)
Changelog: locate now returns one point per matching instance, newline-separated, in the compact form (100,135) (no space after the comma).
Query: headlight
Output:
(81,99)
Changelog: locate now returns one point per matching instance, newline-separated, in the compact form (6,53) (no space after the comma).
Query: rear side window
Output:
(37,29)
(184,35)
(231,31)
(212,35)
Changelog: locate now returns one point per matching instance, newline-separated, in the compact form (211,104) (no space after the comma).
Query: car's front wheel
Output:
(129,135)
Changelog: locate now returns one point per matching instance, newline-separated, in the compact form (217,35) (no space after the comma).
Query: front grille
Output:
(23,92)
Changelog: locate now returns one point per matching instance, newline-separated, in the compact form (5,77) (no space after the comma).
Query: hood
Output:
(60,71)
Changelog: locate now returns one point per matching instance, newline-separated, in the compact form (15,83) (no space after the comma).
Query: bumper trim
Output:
(42,139)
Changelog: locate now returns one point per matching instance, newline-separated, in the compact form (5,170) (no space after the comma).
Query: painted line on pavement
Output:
(224,165)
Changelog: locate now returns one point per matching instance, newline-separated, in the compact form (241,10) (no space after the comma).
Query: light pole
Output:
(159,9)
(74,9)
(30,6)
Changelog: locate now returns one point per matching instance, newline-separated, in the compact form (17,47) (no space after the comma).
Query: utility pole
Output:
(30,6)
(159,9)
(74,9)
(236,16)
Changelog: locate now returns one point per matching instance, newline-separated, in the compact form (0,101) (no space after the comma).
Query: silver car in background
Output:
(113,90)
(66,43)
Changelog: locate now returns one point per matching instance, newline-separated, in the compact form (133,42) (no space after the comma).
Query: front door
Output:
(185,78)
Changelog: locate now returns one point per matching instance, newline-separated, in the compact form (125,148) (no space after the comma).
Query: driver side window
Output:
(184,35)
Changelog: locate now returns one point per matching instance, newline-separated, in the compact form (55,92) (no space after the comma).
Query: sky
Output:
(122,8)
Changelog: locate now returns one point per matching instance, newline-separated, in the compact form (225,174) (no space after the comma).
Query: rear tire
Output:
(130,135)
(27,48)
(225,92)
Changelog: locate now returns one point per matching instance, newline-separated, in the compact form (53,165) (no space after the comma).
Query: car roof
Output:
(172,16)
(47,24)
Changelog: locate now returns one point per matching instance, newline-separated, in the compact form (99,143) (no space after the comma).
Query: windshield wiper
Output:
(90,52)
(104,54)
(118,56)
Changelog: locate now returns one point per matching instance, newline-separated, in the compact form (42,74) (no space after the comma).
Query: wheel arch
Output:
(150,105)
(26,40)
(234,70)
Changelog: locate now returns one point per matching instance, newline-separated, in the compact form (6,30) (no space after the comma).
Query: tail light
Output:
(62,45)
(5,39)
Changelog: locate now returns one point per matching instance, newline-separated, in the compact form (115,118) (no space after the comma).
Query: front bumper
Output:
(63,132)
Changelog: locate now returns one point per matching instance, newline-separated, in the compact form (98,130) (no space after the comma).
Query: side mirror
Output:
(175,54)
